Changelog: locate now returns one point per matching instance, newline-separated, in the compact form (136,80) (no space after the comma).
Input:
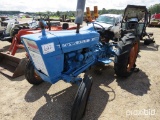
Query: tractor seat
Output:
(132,24)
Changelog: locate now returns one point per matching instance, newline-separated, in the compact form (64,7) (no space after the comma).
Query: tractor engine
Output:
(76,59)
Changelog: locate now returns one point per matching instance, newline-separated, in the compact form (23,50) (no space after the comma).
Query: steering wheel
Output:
(101,30)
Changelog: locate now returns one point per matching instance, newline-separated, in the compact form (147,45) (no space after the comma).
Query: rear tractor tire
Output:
(127,52)
(31,75)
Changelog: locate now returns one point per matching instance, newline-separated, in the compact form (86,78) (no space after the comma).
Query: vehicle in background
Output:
(13,26)
(155,20)
(2,19)
(111,23)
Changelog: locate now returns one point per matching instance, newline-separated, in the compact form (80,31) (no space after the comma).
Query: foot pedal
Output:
(105,60)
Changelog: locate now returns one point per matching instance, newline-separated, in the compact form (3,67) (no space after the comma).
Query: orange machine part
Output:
(95,12)
(88,14)
(132,56)
(16,41)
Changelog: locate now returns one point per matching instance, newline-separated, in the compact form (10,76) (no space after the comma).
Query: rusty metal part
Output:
(12,66)
(132,56)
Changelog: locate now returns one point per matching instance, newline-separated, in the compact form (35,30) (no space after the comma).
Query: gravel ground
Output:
(111,98)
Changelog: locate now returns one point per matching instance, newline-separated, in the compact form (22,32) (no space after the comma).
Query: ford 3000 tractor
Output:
(63,55)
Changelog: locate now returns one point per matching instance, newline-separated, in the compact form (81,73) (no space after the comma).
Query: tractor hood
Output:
(134,11)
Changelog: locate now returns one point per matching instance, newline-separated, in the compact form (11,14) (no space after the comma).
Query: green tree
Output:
(58,13)
(104,11)
(154,8)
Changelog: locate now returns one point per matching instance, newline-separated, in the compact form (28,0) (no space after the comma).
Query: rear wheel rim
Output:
(132,56)
(36,76)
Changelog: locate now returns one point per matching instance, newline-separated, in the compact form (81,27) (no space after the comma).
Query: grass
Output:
(54,17)
(72,17)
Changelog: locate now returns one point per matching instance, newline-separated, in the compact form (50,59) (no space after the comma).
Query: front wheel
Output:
(127,53)
(81,99)
(31,75)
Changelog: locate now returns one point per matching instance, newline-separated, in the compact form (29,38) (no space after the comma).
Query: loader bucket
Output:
(12,66)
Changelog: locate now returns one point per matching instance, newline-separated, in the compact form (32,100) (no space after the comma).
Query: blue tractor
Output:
(63,55)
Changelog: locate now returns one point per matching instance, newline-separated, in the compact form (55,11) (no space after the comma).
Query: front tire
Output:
(81,99)
(127,53)
(31,75)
